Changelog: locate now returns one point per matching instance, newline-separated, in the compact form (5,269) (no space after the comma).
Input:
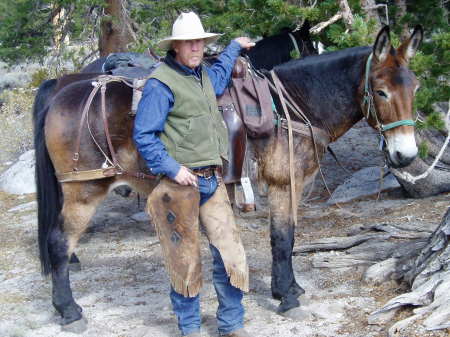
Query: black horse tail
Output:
(43,97)
(48,189)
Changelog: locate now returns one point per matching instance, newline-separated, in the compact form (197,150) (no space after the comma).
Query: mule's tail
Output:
(48,189)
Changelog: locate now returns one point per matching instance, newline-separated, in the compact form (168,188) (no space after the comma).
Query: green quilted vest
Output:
(195,133)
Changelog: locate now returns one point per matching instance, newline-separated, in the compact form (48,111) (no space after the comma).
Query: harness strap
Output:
(294,42)
(298,112)
(291,148)
(115,169)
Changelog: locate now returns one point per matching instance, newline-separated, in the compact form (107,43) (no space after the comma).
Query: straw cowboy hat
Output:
(187,27)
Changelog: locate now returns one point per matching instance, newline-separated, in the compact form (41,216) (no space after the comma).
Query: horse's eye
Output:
(382,93)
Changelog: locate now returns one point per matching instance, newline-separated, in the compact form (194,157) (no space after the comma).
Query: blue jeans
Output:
(230,313)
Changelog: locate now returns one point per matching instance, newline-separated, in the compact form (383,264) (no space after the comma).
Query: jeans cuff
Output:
(230,330)
(188,331)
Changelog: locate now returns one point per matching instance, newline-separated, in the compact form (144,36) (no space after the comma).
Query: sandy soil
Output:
(123,288)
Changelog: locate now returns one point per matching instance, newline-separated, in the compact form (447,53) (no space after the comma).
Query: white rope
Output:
(412,179)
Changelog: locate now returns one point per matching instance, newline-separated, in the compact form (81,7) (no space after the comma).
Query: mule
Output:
(329,88)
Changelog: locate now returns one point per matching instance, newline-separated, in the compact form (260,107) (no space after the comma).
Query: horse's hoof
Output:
(294,290)
(77,327)
(75,267)
(288,303)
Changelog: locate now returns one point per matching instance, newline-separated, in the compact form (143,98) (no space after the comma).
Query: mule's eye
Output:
(381,93)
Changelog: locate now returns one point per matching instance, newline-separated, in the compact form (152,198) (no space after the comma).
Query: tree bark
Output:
(347,15)
(370,7)
(400,13)
(116,32)
(429,275)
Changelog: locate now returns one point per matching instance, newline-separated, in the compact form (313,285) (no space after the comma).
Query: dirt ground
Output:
(123,288)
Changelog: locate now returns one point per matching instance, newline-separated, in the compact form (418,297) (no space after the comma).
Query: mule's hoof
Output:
(77,327)
(294,290)
(288,303)
(74,267)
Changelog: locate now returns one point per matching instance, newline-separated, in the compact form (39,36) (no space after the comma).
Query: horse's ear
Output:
(409,48)
(382,45)
(305,28)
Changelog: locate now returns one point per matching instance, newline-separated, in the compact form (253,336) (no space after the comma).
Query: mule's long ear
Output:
(382,45)
(409,48)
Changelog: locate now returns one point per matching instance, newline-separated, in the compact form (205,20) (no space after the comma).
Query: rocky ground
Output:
(123,288)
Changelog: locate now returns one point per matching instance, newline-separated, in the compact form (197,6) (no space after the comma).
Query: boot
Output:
(238,333)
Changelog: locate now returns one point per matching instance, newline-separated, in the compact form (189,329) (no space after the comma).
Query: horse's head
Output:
(304,40)
(389,89)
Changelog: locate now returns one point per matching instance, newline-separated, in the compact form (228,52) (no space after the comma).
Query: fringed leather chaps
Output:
(175,210)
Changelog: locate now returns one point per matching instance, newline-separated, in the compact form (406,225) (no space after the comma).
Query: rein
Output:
(368,101)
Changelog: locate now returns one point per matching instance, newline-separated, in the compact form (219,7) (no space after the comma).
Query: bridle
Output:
(371,112)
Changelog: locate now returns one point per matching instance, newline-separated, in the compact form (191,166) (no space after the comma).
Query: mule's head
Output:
(389,94)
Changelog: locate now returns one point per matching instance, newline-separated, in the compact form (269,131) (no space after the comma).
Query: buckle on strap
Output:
(206,172)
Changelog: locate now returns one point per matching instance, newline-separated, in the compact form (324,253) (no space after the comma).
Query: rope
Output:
(412,179)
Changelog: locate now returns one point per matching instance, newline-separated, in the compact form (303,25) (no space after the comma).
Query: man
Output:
(182,136)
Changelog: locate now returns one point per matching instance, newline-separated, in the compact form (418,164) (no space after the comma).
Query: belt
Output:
(208,172)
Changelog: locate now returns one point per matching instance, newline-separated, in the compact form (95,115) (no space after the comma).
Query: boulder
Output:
(363,183)
(19,178)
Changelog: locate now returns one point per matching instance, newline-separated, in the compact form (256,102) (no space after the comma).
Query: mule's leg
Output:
(284,285)
(62,240)
(74,263)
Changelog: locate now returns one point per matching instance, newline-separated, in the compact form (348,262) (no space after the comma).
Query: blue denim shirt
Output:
(157,102)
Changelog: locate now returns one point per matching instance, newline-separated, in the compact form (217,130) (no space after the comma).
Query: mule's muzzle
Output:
(399,159)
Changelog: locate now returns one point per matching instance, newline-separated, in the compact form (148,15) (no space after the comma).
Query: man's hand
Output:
(245,42)
(185,177)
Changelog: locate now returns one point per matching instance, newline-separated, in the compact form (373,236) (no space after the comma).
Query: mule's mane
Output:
(325,85)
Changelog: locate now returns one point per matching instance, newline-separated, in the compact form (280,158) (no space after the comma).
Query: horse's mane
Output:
(324,83)
(263,56)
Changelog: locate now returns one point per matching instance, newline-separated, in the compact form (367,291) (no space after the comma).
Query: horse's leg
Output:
(80,202)
(74,263)
(284,285)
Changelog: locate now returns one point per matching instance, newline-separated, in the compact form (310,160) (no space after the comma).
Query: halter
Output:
(368,100)
(294,42)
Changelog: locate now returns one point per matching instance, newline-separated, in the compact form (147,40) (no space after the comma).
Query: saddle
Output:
(246,108)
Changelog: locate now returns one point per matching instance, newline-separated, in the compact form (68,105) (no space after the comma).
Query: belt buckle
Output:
(208,174)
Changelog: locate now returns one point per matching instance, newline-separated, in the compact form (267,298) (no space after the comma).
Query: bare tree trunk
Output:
(116,32)
(370,7)
(401,12)
(347,15)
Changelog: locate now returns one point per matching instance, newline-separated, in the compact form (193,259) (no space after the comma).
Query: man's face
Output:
(189,52)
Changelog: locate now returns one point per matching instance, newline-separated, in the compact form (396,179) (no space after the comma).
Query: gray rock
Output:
(19,178)
(140,217)
(380,272)
(362,183)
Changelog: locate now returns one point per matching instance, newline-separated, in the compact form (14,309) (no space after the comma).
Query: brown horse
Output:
(329,88)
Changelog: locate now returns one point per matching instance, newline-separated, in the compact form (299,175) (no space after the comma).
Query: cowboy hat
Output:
(187,27)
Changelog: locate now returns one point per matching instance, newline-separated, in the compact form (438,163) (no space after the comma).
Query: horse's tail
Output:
(48,189)
(43,96)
